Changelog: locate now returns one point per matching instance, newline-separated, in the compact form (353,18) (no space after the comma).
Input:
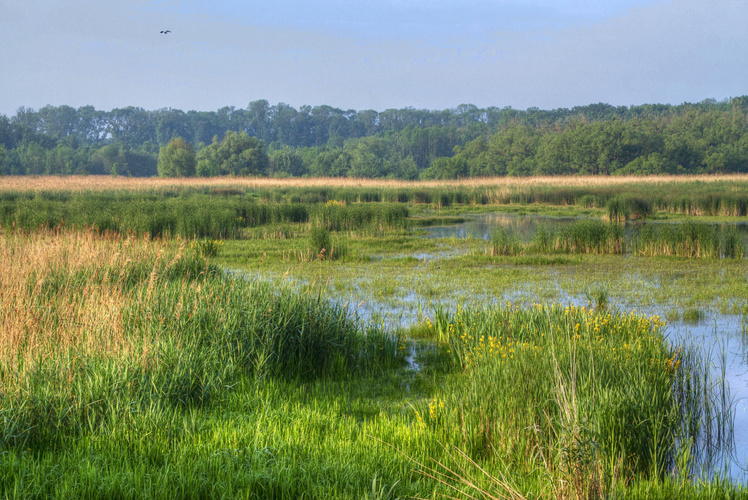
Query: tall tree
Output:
(177,159)
(237,154)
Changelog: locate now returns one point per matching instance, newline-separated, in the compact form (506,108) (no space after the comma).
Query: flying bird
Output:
(165,31)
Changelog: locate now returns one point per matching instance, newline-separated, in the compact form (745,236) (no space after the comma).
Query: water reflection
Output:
(525,227)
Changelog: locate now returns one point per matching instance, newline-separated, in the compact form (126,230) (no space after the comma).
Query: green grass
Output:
(258,386)
(188,214)
(259,391)
(458,271)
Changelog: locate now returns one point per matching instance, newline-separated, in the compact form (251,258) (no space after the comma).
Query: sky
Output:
(355,54)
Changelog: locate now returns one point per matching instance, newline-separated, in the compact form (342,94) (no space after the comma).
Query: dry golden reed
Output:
(107,183)
(47,306)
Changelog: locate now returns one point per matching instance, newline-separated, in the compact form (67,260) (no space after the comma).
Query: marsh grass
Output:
(693,315)
(689,239)
(622,208)
(322,247)
(580,237)
(598,298)
(96,326)
(589,397)
(589,236)
(206,248)
(621,197)
(189,214)
(503,243)
(135,367)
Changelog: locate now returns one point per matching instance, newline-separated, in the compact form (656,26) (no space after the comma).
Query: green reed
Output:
(188,214)
(689,239)
(193,332)
(589,398)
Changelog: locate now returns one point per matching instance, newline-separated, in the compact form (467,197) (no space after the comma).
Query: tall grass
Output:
(377,217)
(504,243)
(96,327)
(583,236)
(186,214)
(688,239)
(693,195)
(134,367)
(585,400)
(590,236)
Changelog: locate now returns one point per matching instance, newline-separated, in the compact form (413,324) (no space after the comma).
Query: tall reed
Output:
(187,214)
(588,398)
(689,239)
(95,327)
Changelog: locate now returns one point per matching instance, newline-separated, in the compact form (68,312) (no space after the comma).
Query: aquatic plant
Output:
(502,243)
(589,394)
(206,248)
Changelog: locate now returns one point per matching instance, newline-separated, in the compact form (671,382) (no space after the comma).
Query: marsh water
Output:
(525,227)
(721,337)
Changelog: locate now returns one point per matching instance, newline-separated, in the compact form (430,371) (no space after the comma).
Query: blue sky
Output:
(370,55)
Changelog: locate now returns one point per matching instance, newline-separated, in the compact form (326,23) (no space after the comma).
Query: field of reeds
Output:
(688,239)
(132,365)
(617,198)
(289,210)
(189,215)
(108,183)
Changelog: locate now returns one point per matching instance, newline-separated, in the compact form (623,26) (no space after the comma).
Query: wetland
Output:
(514,341)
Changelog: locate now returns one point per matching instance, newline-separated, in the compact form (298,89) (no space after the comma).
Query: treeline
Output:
(467,141)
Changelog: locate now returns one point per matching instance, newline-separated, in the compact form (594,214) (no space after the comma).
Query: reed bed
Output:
(189,214)
(688,239)
(584,401)
(622,198)
(96,325)
(109,183)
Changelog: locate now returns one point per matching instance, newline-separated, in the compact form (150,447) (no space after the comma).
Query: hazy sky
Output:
(356,54)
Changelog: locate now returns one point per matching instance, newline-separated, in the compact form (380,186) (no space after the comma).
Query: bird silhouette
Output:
(165,31)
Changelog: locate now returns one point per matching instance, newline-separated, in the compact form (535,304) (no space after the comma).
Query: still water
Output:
(524,227)
(722,338)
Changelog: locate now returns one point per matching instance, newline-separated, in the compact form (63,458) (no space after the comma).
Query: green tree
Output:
(237,154)
(285,162)
(33,158)
(446,168)
(177,159)
(365,163)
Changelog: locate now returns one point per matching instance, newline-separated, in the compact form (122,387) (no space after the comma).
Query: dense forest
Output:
(467,141)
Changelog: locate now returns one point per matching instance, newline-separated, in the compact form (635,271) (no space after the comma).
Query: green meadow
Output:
(313,342)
